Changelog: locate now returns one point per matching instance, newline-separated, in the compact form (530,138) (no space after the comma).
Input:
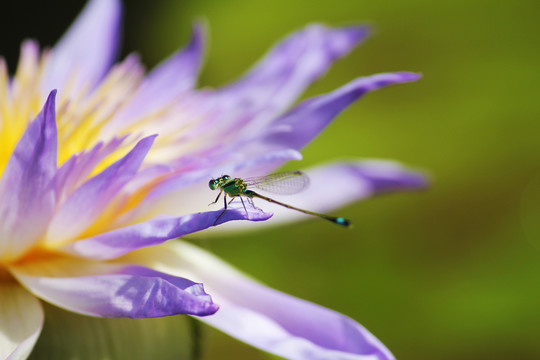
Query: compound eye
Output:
(213,184)
(226,177)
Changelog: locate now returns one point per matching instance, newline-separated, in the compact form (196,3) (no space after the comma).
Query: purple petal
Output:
(387,176)
(335,185)
(27,188)
(116,291)
(79,166)
(278,79)
(265,318)
(116,243)
(178,73)
(86,203)
(309,118)
(165,84)
(87,49)
(21,320)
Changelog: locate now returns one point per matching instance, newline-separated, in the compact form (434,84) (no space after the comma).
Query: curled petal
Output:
(88,48)
(114,290)
(309,118)
(21,320)
(115,243)
(27,188)
(265,318)
(95,194)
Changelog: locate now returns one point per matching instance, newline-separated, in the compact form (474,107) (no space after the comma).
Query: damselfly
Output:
(290,182)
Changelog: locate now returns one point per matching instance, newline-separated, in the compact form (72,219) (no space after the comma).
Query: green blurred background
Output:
(448,273)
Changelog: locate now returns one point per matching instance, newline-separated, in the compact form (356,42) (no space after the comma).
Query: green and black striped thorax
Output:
(232,187)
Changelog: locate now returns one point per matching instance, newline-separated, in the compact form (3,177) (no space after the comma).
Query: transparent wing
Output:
(286,183)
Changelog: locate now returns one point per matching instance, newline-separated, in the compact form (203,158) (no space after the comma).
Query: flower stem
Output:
(196,337)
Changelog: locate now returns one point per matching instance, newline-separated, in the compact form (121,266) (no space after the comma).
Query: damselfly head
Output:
(213,184)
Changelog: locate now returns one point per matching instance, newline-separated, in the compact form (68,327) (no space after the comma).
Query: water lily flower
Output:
(90,196)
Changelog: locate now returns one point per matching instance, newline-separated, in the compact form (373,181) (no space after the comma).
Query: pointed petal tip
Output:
(199,28)
(419,179)
(51,98)
(364,84)
(49,118)
(197,42)
(144,144)
(49,109)
(151,138)
(409,76)
(390,176)
(197,39)
(336,41)
(358,32)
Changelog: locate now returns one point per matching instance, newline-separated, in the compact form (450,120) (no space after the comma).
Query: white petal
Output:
(263,317)
(21,320)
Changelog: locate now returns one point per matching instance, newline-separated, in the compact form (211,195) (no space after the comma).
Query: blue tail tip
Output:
(342,221)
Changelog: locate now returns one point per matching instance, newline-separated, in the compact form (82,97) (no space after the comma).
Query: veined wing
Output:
(286,183)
